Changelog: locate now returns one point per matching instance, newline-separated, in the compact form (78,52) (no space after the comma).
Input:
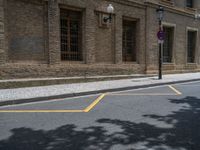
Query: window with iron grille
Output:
(191,46)
(129,40)
(70,22)
(168,44)
(189,3)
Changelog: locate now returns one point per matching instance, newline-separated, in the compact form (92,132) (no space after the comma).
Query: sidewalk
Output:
(21,95)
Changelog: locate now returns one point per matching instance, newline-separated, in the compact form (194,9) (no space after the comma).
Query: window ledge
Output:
(71,62)
(188,9)
(130,62)
(166,2)
(192,64)
(168,63)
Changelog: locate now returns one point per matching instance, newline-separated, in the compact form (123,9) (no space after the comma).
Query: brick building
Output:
(40,38)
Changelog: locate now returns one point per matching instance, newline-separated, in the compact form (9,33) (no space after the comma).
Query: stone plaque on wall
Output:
(27,48)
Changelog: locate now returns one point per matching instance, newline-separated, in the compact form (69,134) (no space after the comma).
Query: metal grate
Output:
(70,35)
(191,46)
(129,40)
(168,44)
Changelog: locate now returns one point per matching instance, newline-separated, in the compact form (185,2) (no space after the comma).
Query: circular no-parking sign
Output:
(161,35)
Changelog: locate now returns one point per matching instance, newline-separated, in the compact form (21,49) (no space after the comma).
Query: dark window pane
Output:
(191,46)
(168,45)
(70,35)
(129,42)
(189,3)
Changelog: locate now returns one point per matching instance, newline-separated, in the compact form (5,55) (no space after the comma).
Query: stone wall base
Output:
(172,69)
(14,71)
(2,57)
(21,70)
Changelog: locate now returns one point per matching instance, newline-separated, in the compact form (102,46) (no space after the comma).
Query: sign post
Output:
(161,36)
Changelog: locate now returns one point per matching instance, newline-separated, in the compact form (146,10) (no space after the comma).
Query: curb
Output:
(56,81)
(40,99)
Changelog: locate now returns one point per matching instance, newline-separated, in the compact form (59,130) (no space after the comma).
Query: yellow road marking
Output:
(58,111)
(145,94)
(175,90)
(94,103)
(91,106)
(41,111)
(149,94)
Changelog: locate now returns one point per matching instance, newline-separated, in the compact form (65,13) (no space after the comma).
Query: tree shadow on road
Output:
(186,124)
(184,135)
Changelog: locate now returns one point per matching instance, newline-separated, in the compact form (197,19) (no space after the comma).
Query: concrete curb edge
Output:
(49,98)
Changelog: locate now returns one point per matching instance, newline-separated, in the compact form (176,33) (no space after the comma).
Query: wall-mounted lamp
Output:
(110,11)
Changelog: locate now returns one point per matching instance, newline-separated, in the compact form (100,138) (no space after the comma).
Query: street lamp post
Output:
(160,36)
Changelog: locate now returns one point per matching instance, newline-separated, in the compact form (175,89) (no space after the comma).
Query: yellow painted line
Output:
(175,90)
(41,111)
(144,94)
(58,111)
(94,103)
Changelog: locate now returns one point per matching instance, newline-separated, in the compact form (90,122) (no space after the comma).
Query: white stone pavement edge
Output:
(64,89)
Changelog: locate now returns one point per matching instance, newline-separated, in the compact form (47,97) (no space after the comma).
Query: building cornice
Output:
(129,3)
(190,12)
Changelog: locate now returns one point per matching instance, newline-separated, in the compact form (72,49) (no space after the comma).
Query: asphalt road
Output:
(158,118)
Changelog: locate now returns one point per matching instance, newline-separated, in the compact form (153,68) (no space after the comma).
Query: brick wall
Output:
(151,40)
(32,34)
(132,12)
(180,3)
(2,37)
(179,21)
(25,30)
(54,31)
(12,71)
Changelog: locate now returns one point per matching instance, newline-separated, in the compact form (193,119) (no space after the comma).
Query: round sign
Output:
(161,35)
